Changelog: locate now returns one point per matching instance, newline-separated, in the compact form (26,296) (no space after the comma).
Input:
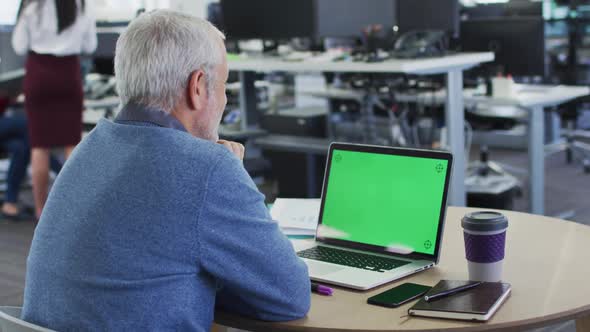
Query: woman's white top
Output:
(36,31)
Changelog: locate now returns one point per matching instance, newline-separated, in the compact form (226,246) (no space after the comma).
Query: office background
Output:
(535,42)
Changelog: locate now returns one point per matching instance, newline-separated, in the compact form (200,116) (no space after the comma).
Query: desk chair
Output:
(578,148)
(576,141)
(10,322)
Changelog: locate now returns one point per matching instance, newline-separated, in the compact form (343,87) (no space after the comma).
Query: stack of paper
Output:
(296,216)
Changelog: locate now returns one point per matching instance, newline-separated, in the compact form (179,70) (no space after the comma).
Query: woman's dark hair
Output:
(67,11)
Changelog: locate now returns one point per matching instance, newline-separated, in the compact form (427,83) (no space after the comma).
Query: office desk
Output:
(97,109)
(452,65)
(546,263)
(533,99)
(297,144)
(108,103)
(11,75)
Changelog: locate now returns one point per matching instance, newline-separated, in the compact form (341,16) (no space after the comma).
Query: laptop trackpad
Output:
(317,269)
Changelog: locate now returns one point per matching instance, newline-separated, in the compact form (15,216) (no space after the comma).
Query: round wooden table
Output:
(547,262)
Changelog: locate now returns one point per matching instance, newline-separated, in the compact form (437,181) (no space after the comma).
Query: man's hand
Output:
(233,147)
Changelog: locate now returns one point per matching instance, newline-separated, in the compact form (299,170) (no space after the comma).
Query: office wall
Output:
(8,10)
(116,10)
(197,8)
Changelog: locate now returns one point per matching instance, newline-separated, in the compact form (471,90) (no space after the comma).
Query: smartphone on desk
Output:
(399,295)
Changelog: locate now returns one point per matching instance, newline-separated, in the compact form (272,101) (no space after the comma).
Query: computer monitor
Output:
(107,35)
(512,8)
(523,8)
(268,19)
(428,15)
(376,198)
(571,3)
(215,16)
(483,11)
(348,18)
(518,43)
(106,43)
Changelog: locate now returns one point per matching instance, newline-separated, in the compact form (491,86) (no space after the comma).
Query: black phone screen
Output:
(399,295)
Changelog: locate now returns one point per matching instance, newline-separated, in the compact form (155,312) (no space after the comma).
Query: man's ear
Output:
(197,90)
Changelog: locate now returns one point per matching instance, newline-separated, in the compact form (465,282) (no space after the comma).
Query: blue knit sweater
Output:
(148,229)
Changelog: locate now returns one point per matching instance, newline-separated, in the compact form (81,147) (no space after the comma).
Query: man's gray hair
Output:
(157,53)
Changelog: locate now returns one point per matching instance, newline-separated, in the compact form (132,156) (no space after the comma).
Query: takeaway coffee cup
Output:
(485,240)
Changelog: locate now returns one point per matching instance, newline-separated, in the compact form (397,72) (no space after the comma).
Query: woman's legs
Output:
(40,176)
(41,162)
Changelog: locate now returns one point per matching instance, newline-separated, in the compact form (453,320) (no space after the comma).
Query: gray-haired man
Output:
(151,222)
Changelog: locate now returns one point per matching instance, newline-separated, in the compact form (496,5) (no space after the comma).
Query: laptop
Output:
(381,217)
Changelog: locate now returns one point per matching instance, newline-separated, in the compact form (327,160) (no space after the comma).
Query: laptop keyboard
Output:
(352,259)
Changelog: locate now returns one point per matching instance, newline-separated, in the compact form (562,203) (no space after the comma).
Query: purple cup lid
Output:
(484,221)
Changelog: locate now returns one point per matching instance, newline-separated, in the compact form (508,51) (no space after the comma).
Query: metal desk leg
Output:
(310,162)
(455,119)
(248,103)
(583,324)
(537,160)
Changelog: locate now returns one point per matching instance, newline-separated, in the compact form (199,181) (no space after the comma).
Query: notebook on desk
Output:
(296,217)
(479,303)
(381,215)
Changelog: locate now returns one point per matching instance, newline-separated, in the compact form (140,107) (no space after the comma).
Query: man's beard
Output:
(209,131)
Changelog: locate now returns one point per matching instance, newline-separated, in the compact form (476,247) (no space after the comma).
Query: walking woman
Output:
(53,34)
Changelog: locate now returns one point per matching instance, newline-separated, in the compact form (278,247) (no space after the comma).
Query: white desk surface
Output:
(116,30)
(409,66)
(544,264)
(92,117)
(108,102)
(11,75)
(529,96)
(535,95)
(94,110)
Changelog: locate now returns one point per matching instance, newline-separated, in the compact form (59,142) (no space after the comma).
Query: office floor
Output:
(567,188)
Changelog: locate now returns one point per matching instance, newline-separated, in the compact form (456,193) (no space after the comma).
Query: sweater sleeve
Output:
(258,273)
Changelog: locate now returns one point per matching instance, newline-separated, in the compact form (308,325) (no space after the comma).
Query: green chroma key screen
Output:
(385,200)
